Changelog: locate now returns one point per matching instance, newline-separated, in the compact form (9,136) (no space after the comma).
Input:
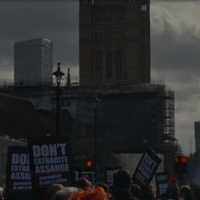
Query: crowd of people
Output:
(123,189)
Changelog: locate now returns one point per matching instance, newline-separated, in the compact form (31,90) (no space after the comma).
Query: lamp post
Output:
(96,102)
(58,75)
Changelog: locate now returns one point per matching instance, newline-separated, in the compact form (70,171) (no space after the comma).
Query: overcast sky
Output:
(175,55)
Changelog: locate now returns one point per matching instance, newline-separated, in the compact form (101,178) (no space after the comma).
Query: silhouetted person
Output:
(186,192)
(197,193)
(172,192)
(82,183)
(122,183)
(149,193)
(136,191)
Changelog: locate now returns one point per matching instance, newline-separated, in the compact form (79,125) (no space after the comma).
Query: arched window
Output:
(118,63)
(108,64)
(99,63)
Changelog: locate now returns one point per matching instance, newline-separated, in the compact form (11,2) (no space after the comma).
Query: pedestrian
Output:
(51,190)
(172,192)
(82,183)
(136,191)
(122,183)
(111,187)
(197,193)
(149,193)
(186,192)
(90,193)
(106,188)
(4,191)
(65,193)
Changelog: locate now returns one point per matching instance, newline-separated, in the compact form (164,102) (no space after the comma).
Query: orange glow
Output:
(88,163)
(183,159)
(176,160)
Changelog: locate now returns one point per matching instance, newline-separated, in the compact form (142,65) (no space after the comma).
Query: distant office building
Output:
(197,135)
(114,43)
(33,62)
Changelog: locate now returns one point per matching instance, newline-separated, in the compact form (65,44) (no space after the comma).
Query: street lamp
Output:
(58,75)
(96,102)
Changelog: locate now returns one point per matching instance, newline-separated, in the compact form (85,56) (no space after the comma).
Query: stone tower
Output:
(68,79)
(114,43)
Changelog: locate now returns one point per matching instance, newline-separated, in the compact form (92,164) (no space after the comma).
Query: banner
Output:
(89,176)
(162,180)
(50,162)
(146,168)
(109,171)
(18,176)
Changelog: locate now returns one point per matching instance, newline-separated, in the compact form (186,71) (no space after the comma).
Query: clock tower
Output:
(114,42)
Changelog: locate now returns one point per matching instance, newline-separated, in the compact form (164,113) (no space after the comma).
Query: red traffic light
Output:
(176,160)
(88,163)
(183,159)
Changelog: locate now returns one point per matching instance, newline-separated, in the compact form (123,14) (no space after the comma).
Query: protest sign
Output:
(18,176)
(162,179)
(146,168)
(89,176)
(109,171)
(50,162)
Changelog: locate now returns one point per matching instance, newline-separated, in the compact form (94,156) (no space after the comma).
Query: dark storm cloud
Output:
(57,21)
(176,54)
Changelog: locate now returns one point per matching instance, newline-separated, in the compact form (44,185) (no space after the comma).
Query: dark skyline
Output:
(175,32)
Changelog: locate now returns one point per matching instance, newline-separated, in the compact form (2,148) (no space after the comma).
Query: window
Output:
(108,64)
(99,67)
(143,7)
(118,63)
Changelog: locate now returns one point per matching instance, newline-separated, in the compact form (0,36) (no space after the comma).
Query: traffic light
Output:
(180,165)
(183,162)
(88,166)
(176,166)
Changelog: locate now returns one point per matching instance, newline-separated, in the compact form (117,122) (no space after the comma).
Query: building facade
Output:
(114,43)
(126,117)
(33,62)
